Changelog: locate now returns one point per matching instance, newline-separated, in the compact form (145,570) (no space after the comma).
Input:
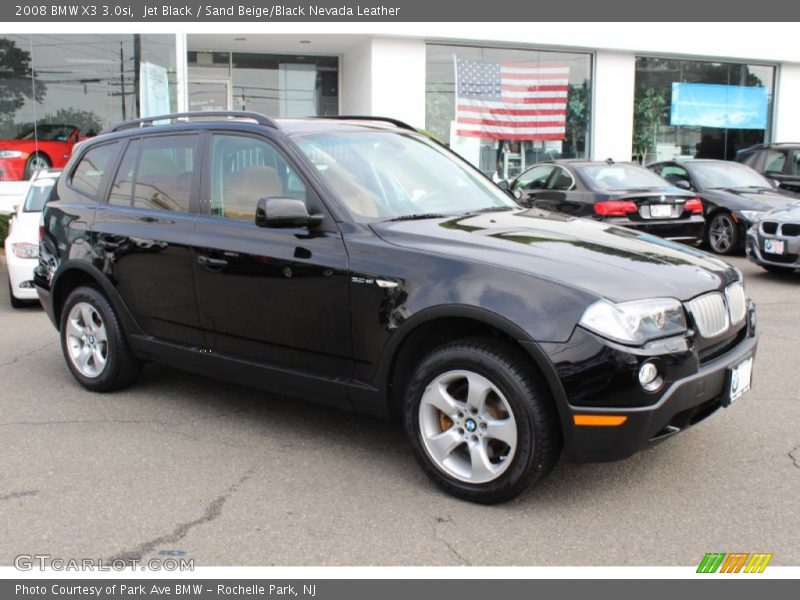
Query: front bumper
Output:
(689,230)
(755,250)
(600,380)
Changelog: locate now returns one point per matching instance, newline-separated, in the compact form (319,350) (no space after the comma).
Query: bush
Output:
(3,228)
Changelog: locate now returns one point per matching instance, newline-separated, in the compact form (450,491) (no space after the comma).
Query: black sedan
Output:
(618,193)
(734,196)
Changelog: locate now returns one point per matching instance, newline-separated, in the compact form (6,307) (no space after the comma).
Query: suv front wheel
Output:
(481,425)
(94,343)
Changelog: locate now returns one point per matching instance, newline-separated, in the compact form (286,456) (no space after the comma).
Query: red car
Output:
(47,146)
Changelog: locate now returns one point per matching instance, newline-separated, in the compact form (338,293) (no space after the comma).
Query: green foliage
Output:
(650,105)
(3,228)
(16,79)
(577,115)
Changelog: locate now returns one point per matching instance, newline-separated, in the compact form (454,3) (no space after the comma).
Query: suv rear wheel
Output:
(94,343)
(480,424)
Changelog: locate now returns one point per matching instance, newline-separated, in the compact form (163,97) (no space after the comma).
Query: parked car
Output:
(12,194)
(780,162)
(774,242)
(22,242)
(615,193)
(40,148)
(358,263)
(733,195)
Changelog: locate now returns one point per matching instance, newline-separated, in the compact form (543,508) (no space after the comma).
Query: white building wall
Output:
(787,100)
(385,77)
(398,80)
(356,89)
(612,111)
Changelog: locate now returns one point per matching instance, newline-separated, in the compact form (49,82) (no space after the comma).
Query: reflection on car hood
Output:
(786,213)
(740,199)
(613,262)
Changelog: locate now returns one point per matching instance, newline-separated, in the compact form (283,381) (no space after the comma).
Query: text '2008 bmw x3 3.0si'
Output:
(355,262)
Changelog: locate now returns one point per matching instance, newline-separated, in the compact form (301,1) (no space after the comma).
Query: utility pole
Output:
(122,81)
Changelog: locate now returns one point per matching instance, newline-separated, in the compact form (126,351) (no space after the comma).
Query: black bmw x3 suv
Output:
(356,262)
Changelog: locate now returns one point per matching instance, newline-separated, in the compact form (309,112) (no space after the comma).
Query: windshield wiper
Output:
(418,216)
(491,209)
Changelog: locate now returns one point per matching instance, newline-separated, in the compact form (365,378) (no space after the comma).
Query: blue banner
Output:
(730,106)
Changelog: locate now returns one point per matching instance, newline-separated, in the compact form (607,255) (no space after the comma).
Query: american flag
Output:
(511,100)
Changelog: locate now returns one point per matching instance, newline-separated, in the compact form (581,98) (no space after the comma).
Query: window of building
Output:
(691,108)
(274,84)
(61,88)
(88,175)
(504,110)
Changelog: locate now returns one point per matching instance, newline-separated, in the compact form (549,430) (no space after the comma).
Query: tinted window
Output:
(245,169)
(775,161)
(38,194)
(673,173)
(534,178)
(561,180)
(620,177)
(796,163)
(88,175)
(156,172)
(164,172)
(122,188)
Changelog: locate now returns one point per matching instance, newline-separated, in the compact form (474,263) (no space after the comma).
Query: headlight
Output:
(25,250)
(754,216)
(12,154)
(635,322)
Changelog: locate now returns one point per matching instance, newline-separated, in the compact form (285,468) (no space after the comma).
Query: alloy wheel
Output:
(87,340)
(721,233)
(467,426)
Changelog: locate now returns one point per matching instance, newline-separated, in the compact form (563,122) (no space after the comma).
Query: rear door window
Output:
(157,173)
(775,161)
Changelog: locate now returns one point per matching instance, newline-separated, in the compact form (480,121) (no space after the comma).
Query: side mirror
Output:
(284,212)
(683,184)
(504,185)
(775,183)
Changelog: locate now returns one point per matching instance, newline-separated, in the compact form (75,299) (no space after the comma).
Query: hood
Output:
(21,145)
(788,213)
(607,261)
(743,199)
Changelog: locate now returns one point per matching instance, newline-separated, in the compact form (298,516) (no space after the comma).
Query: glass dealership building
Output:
(645,100)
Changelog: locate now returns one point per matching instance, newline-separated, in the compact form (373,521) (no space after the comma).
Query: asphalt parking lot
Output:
(183,465)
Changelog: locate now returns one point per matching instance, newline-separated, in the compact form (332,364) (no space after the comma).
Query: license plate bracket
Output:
(775,247)
(739,380)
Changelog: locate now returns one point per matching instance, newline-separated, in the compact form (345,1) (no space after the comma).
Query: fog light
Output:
(649,377)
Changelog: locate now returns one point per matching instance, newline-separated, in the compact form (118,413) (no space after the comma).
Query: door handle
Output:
(212,264)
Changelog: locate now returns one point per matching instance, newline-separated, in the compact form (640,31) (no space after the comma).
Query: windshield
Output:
(52,133)
(380,175)
(727,175)
(620,177)
(37,195)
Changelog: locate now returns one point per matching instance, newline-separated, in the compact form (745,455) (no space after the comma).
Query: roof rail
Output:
(186,116)
(395,122)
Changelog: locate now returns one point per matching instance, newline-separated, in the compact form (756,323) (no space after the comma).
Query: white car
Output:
(22,243)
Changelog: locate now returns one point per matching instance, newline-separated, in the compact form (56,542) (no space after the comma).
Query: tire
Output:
(516,429)
(94,343)
(778,270)
(36,162)
(15,302)
(722,233)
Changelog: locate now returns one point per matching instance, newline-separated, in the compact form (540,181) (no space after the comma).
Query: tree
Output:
(17,83)
(648,108)
(577,115)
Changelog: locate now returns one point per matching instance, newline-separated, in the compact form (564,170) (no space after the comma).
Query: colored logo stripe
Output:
(734,562)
